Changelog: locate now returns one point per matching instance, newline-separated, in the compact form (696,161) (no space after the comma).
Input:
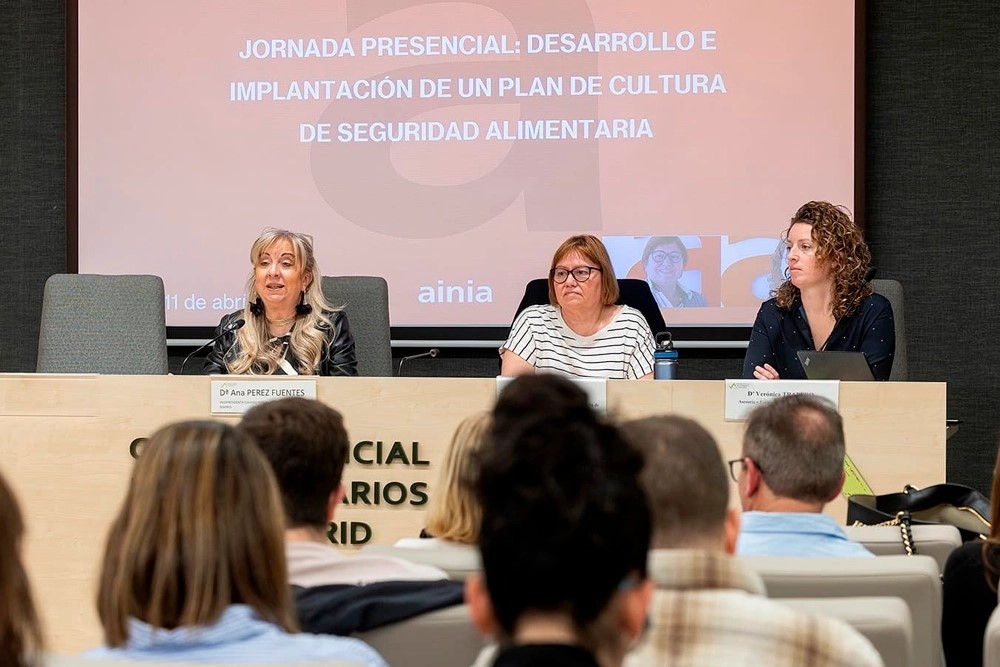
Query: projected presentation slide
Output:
(451,146)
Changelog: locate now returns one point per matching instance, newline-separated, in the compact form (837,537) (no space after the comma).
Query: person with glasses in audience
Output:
(792,465)
(664,261)
(581,332)
(708,607)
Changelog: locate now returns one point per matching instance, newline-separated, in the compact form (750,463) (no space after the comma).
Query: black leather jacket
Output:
(338,357)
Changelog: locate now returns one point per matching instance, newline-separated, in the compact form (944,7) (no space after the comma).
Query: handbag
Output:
(949,504)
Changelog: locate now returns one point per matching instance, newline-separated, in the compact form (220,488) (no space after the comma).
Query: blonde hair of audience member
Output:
(20,630)
(454,513)
(686,482)
(201,528)
(307,339)
(793,455)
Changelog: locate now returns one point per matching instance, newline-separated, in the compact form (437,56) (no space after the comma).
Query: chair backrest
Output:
(366,301)
(103,324)
(884,621)
(991,641)
(631,292)
(893,291)
(914,579)
(457,561)
(442,638)
(935,541)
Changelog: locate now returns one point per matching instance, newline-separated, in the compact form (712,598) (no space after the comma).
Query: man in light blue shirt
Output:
(792,466)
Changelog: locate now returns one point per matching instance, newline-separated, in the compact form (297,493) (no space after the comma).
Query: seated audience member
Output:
(826,302)
(792,466)
(306,443)
(453,513)
(582,332)
(970,589)
(21,633)
(706,608)
(194,568)
(564,535)
(664,261)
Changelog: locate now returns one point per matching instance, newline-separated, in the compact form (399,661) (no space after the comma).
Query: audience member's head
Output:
(20,631)
(200,529)
(453,513)
(565,529)
(686,482)
(793,455)
(306,443)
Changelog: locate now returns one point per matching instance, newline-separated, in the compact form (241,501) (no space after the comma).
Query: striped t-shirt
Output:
(623,350)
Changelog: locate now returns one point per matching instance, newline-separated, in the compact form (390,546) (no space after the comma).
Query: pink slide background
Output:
(177,180)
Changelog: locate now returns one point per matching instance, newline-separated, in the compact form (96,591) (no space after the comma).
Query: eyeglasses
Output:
(659,256)
(581,274)
(734,473)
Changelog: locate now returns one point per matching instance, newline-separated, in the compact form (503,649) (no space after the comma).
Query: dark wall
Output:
(933,201)
(931,147)
(32,169)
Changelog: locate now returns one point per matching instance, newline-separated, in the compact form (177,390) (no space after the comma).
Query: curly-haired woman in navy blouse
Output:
(825,303)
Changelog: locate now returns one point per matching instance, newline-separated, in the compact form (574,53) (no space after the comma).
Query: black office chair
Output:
(631,292)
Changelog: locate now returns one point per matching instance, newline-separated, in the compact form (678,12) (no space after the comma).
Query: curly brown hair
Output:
(840,245)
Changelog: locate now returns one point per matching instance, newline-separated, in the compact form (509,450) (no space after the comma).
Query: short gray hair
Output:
(797,442)
(684,478)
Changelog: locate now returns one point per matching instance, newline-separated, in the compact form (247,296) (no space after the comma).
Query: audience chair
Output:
(893,291)
(103,324)
(914,579)
(443,638)
(456,561)
(365,299)
(632,292)
(991,641)
(937,541)
(884,621)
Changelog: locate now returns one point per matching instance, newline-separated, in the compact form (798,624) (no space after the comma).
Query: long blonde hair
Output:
(454,513)
(20,631)
(256,356)
(201,528)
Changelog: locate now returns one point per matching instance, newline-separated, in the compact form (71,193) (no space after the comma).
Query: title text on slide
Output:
(477,87)
(479,45)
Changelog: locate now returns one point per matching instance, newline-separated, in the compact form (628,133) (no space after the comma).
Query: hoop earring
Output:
(303,308)
(257,307)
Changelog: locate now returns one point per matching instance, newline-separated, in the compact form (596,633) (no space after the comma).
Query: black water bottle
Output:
(664,357)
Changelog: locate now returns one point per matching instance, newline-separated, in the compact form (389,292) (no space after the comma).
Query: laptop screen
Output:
(828,365)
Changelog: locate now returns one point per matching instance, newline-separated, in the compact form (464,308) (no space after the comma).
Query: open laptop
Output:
(828,365)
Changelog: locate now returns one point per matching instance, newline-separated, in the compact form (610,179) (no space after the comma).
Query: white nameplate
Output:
(595,388)
(742,396)
(234,397)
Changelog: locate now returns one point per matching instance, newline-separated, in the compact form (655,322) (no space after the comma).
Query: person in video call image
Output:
(581,332)
(289,328)
(194,565)
(825,303)
(664,261)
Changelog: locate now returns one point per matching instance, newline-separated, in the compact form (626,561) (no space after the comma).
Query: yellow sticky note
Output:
(854,483)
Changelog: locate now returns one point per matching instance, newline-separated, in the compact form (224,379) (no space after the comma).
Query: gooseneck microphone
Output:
(432,353)
(235,325)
